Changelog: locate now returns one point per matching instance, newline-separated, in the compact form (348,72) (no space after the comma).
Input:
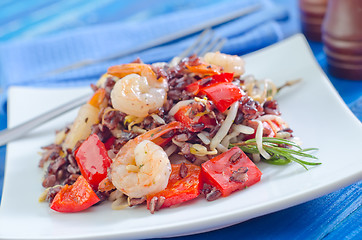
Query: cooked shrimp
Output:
(145,172)
(230,63)
(138,92)
(142,167)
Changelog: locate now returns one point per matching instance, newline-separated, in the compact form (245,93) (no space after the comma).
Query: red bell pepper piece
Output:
(193,87)
(183,116)
(207,81)
(180,189)
(223,77)
(223,173)
(271,126)
(207,121)
(274,126)
(222,94)
(93,160)
(75,198)
(109,143)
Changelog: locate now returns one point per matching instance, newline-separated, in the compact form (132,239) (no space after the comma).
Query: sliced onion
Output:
(221,148)
(177,143)
(259,140)
(200,150)
(237,129)
(119,204)
(243,129)
(226,141)
(115,195)
(225,126)
(171,149)
(158,119)
(138,130)
(204,138)
(178,105)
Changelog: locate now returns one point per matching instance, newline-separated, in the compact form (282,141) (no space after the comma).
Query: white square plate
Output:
(313,109)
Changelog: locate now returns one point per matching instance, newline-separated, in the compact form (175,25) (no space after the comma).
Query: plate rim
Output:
(290,201)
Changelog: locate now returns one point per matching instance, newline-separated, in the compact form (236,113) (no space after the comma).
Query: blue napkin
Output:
(25,63)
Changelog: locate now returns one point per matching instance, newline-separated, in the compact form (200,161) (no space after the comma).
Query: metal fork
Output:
(206,42)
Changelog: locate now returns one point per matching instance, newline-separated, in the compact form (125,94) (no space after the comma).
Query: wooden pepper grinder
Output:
(312,13)
(342,38)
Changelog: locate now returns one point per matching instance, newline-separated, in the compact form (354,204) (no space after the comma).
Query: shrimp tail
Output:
(106,185)
(155,135)
(126,69)
(204,69)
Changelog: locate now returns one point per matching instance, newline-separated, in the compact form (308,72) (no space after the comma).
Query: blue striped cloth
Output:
(26,62)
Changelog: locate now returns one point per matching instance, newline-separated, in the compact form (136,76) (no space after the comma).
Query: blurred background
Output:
(39,36)
(30,19)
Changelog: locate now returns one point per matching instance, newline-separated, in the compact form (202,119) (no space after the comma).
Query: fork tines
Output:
(207,41)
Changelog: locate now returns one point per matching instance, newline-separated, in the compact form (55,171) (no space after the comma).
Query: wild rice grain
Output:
(183,137)
(213,195)
(49,181)
(136,201)
(54,166)
(239,175)
(235,157)
(52,192)
(185,149)
(60,174)
(156,203)
(183,170)
(72,169)
(169,134)
(197,126)
(205,80)
(190,157)
(72,160)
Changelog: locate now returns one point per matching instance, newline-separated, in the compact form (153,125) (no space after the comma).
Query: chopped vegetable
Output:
(207,81)
(222,94)
(93,160)
(75,198)
(97,97)
(184,184)
(183,115)
(230,171)
(109,143)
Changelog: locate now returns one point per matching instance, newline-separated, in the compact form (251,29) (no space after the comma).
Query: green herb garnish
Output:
(282,151)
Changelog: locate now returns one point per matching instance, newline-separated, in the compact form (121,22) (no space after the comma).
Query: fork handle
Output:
(16,132)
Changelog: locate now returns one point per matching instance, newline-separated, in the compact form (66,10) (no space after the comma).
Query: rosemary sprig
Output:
(279,155)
